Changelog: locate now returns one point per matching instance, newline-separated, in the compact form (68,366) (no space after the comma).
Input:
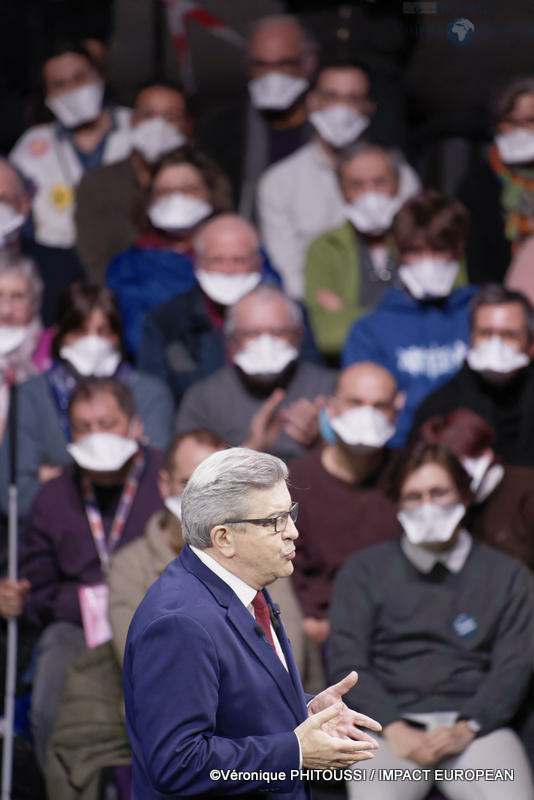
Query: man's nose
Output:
(291,531)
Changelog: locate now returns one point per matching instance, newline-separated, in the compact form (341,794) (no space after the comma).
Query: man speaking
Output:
(214,702)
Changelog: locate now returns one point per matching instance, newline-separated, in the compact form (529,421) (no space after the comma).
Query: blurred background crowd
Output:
(301,228)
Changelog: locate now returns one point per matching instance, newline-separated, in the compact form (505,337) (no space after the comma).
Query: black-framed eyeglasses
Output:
(279,522)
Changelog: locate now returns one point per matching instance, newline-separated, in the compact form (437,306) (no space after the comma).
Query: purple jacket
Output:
(57,551)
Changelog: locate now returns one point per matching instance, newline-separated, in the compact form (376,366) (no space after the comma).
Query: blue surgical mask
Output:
(326,430)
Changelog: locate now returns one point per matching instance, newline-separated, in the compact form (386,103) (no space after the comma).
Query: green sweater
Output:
(333,262)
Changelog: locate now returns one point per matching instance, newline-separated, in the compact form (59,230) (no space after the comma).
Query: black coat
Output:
(488,250)
(509,409)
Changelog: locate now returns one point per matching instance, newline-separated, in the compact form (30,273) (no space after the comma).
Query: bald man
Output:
(342,509)
(58,267)
(281,61)
(181,340)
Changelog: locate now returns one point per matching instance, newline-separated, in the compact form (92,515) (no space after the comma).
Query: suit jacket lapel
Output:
(245,625)
(290,661)
(288,681)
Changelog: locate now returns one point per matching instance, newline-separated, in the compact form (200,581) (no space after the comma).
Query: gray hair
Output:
(265,291)
(494,294)
(13,263)
(360,147)
(220,487)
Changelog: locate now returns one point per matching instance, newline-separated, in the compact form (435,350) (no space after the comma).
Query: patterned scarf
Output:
(517,199)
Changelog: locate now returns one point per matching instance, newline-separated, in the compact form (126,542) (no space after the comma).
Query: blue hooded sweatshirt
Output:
(422,344)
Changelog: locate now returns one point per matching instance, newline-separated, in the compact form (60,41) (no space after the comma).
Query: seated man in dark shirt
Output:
(337,487)
(497,378)
(76,523)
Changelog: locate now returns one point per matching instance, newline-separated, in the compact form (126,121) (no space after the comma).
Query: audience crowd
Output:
(325,307)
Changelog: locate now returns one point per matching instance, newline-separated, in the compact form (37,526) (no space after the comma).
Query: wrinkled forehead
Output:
(366,381)
(275,40)
(500,315)
(267,313)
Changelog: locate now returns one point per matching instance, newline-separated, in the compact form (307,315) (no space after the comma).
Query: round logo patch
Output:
(38,147)
(62,196)
(465,625)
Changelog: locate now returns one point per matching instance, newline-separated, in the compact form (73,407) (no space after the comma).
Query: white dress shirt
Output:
(244,592)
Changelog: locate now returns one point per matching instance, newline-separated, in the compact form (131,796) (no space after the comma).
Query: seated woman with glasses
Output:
(88,342)
(440,629)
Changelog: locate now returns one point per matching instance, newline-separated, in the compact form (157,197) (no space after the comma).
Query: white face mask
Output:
(103,452)
(363,429)
(174,504)
(11,221)
(372,212)
(78,106)
(485,476)
(429,277)
(276,91)
(339,125)
(227,289)
(11,337)
(516,147)
(265,355)
(476,469)
(92,355)
(178,213)
(155,137)
(495,360)
(431,523)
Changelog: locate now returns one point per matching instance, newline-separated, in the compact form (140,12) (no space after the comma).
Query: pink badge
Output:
(94,609)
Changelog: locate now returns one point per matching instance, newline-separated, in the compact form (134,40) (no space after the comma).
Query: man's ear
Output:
(164,483)
(136,428)
(330,406)
(399,402)
(222,539)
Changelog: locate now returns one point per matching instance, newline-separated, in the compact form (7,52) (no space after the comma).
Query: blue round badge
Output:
(465,625)
(460,31)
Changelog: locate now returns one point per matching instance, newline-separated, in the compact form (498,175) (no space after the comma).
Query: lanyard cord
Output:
(105,548)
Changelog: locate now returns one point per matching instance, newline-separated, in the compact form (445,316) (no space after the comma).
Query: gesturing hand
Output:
(344,724)
(322,750)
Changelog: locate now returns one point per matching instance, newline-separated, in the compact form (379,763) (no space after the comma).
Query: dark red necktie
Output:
(261,612)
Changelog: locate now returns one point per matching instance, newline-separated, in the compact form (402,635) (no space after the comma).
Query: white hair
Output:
(267,292)
(220,488)
(13,263)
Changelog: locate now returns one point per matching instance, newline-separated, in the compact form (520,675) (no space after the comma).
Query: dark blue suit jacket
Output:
(205,691)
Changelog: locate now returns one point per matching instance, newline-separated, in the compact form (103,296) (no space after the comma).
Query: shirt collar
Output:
(425,560)
(244,592)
